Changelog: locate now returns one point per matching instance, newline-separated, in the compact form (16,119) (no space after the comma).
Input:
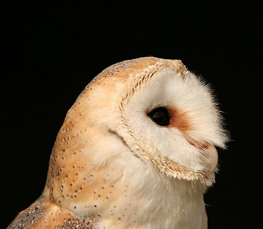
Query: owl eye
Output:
(160,116)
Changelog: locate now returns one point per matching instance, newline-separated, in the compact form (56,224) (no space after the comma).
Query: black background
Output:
(53,49)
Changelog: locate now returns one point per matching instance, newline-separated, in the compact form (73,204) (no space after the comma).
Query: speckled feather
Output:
(104,172)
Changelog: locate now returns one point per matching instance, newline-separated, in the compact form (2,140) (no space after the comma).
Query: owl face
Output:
(159,110)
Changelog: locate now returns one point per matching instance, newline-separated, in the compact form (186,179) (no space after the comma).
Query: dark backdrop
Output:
(53,49)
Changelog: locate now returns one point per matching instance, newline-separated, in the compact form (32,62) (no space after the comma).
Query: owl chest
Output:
(156,205)
(173,208)
(136,195)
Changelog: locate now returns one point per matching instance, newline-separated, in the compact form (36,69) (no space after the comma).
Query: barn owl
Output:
(136,150)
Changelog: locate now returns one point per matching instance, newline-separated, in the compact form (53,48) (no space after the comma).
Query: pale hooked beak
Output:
(209,152)
(211,155)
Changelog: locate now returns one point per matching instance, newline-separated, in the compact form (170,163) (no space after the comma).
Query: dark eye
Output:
(160,116)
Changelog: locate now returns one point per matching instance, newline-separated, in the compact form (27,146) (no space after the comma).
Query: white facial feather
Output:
(188,97)
(114,166)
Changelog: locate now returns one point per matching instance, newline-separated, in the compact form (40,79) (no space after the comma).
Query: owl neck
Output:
(118,189)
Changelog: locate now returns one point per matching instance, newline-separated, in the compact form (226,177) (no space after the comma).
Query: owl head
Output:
(154,107)
(136,150)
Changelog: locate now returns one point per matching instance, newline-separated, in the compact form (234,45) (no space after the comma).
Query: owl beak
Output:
(210,153)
